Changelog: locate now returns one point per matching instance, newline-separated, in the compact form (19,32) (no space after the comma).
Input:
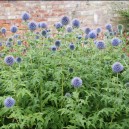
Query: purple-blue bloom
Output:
(9,102)
(0,44)
(32,25)
(9,60)
(58,25)
(87,30)
(115,41)
(117,67)
(13,29)
(44,33)
(43,25)
(98,30)
(92,34)
(9,44)
(25,16)
(3,30)
(69,29)
(18,59)
(108,27)
(100,45)
(71,46)
(57,43)
(19,42)
(65,20)
(76,82)
(53,48)
(75,23)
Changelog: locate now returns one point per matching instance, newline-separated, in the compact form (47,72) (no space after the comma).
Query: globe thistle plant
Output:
(100,45)
(108,27)
(9,102)
(3,30)
(117,67)
(53,48)
(76,82)
(43,25)
(9,60)
(67,95)
(65,20)
(44,33)
(58,25)
(92,34)
(19,42)
(57,43)
(18,59)
(32,25)
(115,41)
(13,29)
(69,29)
(8,44)
(71,46)
(75,23)
(87,30)
(25,16)
(98,30)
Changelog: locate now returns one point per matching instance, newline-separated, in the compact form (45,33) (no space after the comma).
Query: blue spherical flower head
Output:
(8,44)
(16,36)
(3,30)
(70,70)
(100,45)
(117,67)
(92,34)
(57,43)
(18,59)
(87,30)
(9,102)
(76,82)
(58,25)
(13,29)
(0,44)
(69,29)
(25,16)
(19,42)
(9,60)
(75,23)
(115,41)
(108,27)
(53,48)
(71,46)
(10,39)
(32,25)
(44,33)
(79,37)
(98,30)
(65,20)
(43,25)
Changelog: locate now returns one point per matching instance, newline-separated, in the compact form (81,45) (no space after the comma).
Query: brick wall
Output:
(51,11)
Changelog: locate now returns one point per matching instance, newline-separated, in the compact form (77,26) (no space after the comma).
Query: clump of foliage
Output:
(72,85)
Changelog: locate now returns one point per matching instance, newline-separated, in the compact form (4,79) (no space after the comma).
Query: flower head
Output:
(16,36)
(108,27)
(13,29)
(71,70)
(76,82)
(9,102)
(44,33)
(92,34)
(79,36)
(115,41)
(69,29)
(43,25)
(8,44)
(25,16)
(75,23)
(117,67)
(58,25)
(100,45)
(87,30)
(57,43)
(9,60)
(98,30)
(18,59)
(71,46)
(65,20)
(53,48)
(3,30)
(19,42)
(32,25)
(0,44)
